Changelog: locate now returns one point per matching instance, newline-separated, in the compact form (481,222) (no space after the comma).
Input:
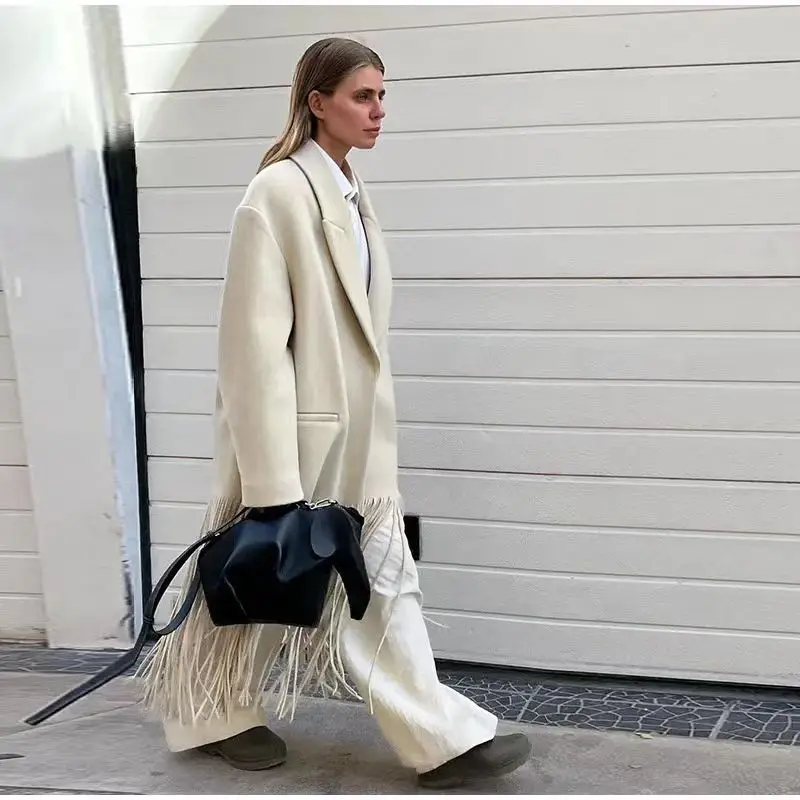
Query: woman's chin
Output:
(368,142)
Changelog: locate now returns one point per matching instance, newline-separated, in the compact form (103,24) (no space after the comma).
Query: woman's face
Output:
(352,115)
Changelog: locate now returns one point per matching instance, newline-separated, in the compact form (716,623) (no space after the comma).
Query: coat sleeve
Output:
(255,367)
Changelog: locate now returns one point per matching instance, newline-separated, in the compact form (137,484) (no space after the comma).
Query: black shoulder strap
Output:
(128,659)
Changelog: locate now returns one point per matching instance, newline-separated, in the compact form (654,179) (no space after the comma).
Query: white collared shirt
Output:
(350,192)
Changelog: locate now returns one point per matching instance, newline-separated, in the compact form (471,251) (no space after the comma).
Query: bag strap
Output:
(148,629)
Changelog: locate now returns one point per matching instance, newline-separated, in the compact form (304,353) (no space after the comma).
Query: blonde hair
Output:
(322,68)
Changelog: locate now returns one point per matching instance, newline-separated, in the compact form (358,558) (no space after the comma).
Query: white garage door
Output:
(593,215)
(21,605)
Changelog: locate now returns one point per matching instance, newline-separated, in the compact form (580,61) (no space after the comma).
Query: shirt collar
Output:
(349,190)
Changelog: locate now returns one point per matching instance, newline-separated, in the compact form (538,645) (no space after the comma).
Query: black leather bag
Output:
(266,566)
(275,566)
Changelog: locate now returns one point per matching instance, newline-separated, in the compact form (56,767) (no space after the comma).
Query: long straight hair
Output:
(322,68)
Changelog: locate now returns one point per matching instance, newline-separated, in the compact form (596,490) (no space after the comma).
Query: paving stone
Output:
(763,727)
(634,717)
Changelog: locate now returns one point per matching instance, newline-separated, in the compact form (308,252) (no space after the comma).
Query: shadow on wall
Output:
(188,49)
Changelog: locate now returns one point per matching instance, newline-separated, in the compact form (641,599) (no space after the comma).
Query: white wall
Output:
(594,219)
(57,261)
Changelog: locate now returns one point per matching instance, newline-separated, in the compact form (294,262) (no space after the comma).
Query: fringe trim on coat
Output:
(202,671)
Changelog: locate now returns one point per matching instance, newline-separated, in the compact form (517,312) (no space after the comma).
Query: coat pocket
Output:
(316,416)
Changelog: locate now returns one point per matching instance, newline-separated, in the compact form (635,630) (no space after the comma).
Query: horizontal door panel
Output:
(605,502)
(669,305)
(678,603)
(665,454)
(624,41)
(567,253)
(582,356)
(547,403)
(554,500)
(694,655)
(662,94)
(142,25)
(520,204)
(722,556)
(696,148)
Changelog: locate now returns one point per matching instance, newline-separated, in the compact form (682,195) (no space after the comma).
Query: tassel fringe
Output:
(202,672)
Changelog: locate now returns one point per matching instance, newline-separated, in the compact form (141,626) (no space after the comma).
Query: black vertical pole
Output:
(119,162)
(119,155)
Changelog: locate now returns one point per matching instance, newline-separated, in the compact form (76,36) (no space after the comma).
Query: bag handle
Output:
(128,659)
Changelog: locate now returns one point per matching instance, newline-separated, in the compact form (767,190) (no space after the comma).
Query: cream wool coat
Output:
(305,402)
(305,409)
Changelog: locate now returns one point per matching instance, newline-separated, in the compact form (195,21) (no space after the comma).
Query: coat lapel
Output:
(380,293)
(338,231)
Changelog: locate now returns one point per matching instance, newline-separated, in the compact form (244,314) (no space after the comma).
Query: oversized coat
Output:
(305,409)
(305,402)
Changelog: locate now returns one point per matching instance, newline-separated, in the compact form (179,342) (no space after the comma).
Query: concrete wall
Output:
(22,615)
(65,322)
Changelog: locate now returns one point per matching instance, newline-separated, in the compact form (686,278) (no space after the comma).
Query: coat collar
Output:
(372,312)
(350,191)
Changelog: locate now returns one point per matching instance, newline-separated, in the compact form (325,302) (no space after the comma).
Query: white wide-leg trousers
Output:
(425,722)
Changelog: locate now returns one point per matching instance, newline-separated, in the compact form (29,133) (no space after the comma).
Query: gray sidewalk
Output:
(104,743)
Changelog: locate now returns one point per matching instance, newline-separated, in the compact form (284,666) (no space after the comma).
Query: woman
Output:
(305,410)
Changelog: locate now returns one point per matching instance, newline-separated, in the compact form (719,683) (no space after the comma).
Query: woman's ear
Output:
(316,105)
